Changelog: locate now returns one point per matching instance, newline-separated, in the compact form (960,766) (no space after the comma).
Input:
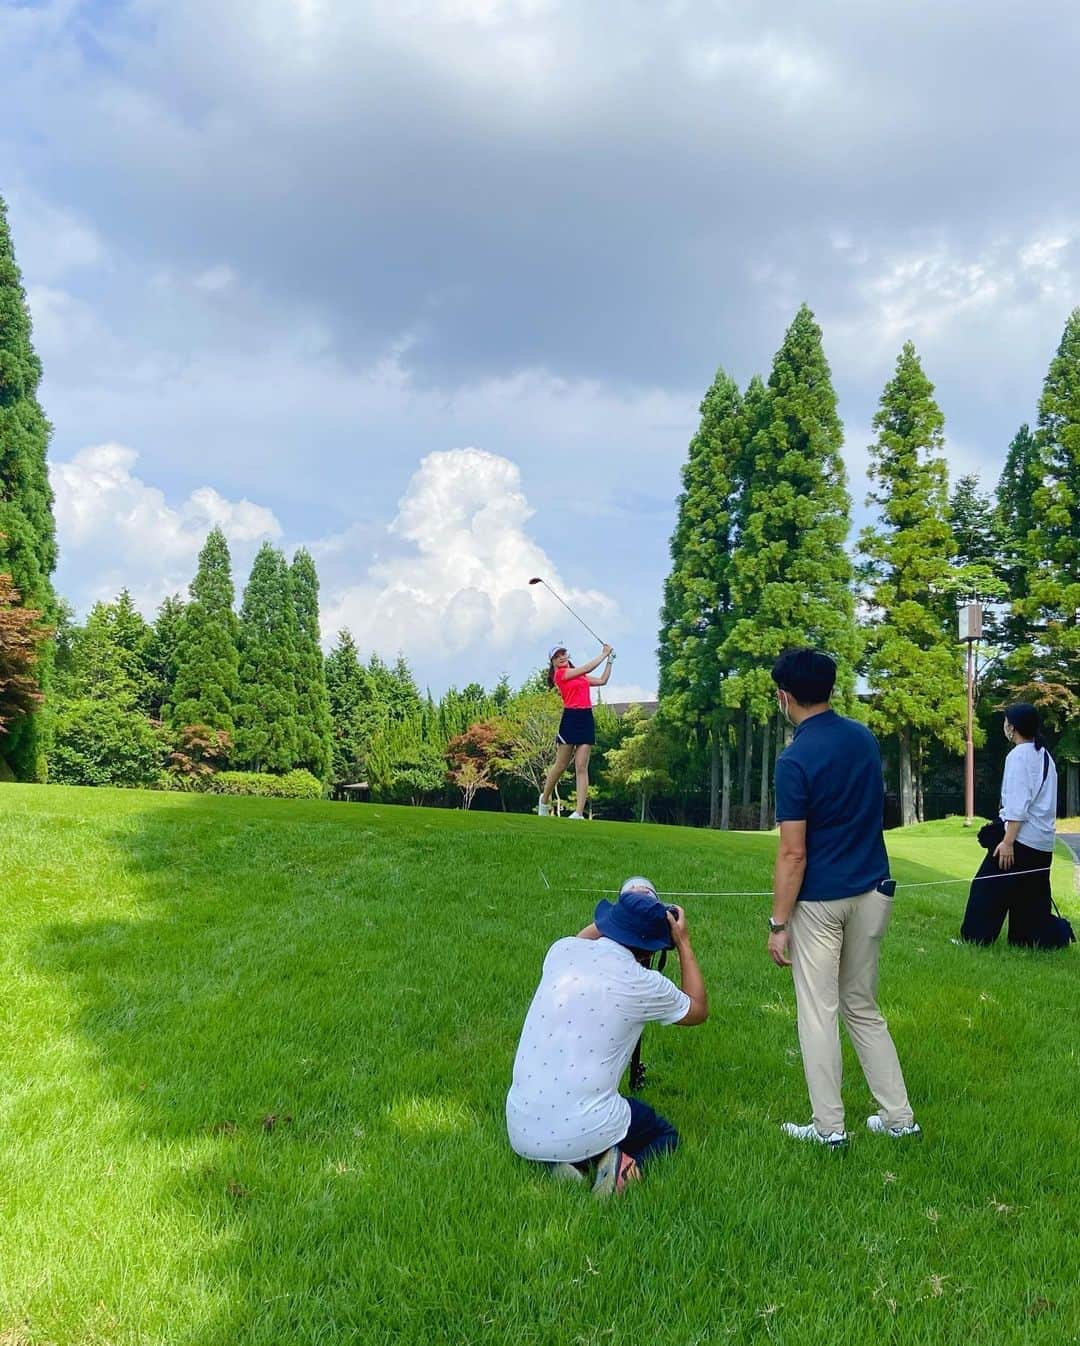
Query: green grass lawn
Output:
(254,1057)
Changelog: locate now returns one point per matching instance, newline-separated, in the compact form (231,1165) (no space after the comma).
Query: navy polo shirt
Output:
(829,777)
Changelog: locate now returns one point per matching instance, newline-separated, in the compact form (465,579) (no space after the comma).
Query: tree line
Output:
(761,562)
(209,695)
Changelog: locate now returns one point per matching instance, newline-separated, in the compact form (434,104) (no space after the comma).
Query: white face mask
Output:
(785,704)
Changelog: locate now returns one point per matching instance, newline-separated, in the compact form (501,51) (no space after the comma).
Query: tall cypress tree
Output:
(27,529)
(914,669)
(313,728)
(975,524)
(790,573)
(1020,478)
(354,714)
(978,562)
(1053,604)
(207,683)
(268,715)
(696,616)
(163,651)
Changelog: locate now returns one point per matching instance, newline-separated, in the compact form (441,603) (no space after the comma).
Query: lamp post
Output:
(970,634)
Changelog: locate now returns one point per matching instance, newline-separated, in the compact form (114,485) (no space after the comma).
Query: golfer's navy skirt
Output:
(576,727)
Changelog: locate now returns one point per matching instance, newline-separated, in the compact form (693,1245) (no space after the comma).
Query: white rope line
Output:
(688,892)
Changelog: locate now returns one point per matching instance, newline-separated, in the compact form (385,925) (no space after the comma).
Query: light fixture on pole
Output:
(971,624)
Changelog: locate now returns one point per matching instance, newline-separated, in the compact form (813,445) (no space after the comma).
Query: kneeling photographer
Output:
(597,992)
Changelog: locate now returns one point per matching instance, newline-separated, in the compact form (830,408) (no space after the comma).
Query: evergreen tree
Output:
(207,683)
(268,714)
(697,617)
(395,688)
(163,653)
(354,714)
(27,529)
(1053,604)
(108,658)
(977,564)
(790,573)
(975,524)
(314,728)
(1021,477)
(914,669)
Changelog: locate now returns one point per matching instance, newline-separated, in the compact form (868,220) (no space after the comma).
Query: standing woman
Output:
(577,729)
(1026,850)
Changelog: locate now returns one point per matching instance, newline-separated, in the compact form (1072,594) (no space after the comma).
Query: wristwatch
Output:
(777,927)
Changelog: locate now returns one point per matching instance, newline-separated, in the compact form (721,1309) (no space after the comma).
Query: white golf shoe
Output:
(543,810)
(835,1140)
(875,1125)
(577,817)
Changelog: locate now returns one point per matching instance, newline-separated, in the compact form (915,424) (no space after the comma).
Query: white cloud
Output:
(215,279)
(940,293)
(766,61)
(51,241)
(115,530)
(461,584)
(615,692)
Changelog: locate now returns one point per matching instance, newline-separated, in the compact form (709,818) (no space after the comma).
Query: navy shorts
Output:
(576,727)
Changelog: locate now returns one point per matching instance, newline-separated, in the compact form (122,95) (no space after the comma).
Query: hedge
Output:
(292,785)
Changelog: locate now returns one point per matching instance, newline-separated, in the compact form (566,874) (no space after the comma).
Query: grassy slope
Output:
(176,970)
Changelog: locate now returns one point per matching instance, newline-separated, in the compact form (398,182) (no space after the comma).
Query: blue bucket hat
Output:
(638,919)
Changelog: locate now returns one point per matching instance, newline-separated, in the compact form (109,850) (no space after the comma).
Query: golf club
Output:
(537,579)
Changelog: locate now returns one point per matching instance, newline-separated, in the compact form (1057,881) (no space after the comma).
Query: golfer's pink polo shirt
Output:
(575,692)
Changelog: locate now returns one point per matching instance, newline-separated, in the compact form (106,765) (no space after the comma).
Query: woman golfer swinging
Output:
(577,729)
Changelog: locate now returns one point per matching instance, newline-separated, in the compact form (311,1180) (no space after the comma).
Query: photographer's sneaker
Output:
(878,1127)
(613,1172)
(835,1140)
(543,810)
(567,1173)
(577,817)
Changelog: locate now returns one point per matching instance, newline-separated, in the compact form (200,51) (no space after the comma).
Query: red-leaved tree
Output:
(21,634)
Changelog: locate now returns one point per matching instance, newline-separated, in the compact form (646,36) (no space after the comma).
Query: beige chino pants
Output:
(834,949)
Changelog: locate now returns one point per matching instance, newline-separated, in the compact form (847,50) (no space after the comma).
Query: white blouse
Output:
(1028,799)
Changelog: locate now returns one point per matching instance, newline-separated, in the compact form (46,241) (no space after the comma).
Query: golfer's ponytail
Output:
(551,674)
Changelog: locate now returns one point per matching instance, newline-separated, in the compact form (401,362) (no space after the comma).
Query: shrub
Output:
(99,743)
(292,785)
(199,751)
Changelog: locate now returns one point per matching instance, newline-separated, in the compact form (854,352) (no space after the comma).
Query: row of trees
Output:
(185,701)
(760,562)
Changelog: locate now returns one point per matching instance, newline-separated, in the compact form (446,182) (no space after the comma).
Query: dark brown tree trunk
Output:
(747,758)
(766,762)
(725,808)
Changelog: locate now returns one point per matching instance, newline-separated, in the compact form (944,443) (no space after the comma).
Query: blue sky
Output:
(435,288)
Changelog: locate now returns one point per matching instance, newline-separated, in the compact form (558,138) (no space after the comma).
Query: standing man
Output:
(832,898)
(596,994)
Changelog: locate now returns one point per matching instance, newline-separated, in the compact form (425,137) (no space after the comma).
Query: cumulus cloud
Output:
(117,531)
(460,581)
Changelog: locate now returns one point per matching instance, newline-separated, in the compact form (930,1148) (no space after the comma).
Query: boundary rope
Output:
(689,892)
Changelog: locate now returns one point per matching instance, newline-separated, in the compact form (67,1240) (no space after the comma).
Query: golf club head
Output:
(536,580)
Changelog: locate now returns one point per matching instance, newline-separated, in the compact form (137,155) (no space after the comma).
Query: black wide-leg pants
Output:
(1018,893)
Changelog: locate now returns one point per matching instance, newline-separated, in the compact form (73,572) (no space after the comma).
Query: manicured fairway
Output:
(254,1057)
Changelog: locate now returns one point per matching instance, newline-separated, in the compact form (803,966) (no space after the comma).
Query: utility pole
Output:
(971,617)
